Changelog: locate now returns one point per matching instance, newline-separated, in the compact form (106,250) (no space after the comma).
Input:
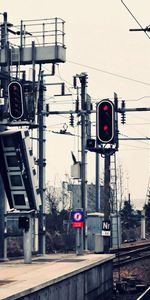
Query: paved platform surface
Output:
(16,277)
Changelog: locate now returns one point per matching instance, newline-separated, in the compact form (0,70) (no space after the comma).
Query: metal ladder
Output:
(113,184)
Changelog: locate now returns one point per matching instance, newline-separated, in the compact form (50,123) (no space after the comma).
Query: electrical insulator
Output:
(123,114)
(123,118)
(71,120)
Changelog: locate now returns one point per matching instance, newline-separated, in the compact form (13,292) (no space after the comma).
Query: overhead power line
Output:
(134,18)
(109,73)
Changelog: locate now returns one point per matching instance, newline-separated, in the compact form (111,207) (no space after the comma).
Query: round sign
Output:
(77,216)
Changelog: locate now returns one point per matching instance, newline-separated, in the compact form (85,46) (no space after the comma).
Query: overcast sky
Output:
(99,42)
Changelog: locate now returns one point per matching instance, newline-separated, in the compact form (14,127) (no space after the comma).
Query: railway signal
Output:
(15,98)
(105,115)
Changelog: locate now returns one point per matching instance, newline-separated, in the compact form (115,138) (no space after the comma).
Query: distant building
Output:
(75,190)
(69,196)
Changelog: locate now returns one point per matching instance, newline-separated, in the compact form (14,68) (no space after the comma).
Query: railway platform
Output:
(59,277)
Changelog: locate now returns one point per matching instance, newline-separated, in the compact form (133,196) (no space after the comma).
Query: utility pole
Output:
(97,181)
(107,199)
(4,84)
(41,166)
(98,188)
(83,81)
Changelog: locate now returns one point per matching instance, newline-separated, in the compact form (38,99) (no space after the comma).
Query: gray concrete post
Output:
(79,241)
(27,243)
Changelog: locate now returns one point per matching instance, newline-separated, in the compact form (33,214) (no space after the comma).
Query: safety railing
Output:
(44,32)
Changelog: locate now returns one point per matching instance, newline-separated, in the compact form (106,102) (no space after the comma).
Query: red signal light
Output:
(14,88)
(105,127)
(105,108)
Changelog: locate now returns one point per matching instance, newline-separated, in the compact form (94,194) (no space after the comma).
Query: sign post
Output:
(77,221)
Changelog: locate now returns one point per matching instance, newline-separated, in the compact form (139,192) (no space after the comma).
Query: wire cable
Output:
(109,73)
(135,18)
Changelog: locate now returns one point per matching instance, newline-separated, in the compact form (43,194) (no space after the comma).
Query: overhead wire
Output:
(109,73)
(135,18)
(141,133)
(139,124)
(141,98)
(112,73)
(139,141)
(146,35)
(141,28)
(132,148)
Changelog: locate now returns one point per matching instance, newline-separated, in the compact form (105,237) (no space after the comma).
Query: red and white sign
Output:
(77,224)
(77,217)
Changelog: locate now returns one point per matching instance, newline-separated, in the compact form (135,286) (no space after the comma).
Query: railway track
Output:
(131,254)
